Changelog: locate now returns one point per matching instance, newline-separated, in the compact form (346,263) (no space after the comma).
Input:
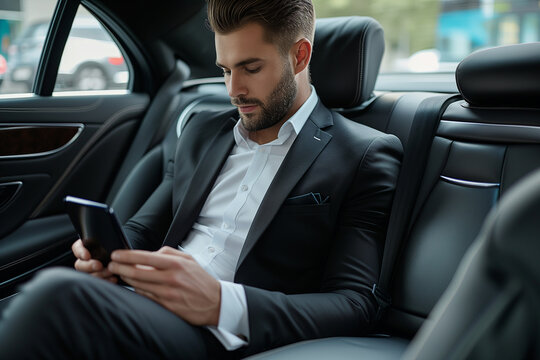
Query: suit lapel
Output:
(201,184)
(309,143)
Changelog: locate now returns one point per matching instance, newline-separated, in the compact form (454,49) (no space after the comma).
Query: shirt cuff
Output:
(233,319)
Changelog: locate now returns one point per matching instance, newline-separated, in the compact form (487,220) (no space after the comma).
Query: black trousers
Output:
(64,314)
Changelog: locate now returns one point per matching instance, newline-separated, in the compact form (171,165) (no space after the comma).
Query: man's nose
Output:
(236,86)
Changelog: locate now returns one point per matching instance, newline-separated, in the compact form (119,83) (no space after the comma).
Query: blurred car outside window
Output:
(23,27)
(91,59)
(433,36)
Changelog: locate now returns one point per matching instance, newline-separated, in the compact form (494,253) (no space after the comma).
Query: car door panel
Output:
(36,140)
(34,245)
(8,192)
(26,198)
(70,145)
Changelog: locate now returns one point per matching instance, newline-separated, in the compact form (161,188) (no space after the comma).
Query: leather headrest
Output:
(505,76)
(347,53)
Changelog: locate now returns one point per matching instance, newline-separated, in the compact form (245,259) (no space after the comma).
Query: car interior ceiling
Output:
(463,152)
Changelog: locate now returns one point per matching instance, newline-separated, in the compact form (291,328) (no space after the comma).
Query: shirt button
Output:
(225,226)
(211,249)
(244,188)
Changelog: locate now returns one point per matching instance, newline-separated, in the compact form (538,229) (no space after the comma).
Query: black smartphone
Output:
(97,226)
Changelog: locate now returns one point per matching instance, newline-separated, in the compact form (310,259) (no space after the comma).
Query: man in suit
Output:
(274,233)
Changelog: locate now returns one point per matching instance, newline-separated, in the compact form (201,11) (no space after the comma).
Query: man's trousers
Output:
(64,314)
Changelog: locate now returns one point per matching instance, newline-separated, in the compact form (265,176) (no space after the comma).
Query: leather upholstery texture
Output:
(505,76)
(343,348)
(463,180)
(347,54)
(479,152)
(490,310)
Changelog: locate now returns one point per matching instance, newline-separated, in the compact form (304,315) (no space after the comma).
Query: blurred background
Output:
(434,35)
(91,59)
(422,36)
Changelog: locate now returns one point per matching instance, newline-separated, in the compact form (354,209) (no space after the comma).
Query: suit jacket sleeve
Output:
(344,306)
(147,228)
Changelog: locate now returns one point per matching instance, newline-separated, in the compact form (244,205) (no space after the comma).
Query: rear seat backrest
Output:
(341,51)
(360,40)
(483,146)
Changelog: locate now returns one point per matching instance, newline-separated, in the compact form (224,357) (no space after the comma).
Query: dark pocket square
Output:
(307,199)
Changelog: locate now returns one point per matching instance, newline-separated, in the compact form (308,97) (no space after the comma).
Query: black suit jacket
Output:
(307,268)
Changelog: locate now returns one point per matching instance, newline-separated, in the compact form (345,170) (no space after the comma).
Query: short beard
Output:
(277,105)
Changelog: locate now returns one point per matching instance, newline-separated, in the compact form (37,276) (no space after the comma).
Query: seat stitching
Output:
(360,70)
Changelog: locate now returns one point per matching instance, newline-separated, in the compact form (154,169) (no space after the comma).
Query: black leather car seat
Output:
(490,310)
(484,144)
(482,147)
(390,113)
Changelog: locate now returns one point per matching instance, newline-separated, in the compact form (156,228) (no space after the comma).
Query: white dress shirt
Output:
(218,235)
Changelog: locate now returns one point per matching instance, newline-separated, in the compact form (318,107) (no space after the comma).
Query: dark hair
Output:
(282,20)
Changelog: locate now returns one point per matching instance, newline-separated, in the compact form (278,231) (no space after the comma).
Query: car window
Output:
(91,60)
(96,33)
(434,35)
(23,27)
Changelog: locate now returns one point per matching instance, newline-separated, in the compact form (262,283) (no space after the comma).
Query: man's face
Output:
(260,80)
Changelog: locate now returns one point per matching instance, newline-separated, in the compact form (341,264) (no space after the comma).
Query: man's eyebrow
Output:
(241,63)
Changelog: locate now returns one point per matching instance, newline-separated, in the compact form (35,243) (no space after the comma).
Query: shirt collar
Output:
(297,121)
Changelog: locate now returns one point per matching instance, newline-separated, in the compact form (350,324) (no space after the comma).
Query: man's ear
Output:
(301,54)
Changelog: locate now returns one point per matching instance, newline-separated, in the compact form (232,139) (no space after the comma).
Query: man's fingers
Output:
(94,268)
(88,266)
(171,251)
(157,260)
(80,251)
(138,272)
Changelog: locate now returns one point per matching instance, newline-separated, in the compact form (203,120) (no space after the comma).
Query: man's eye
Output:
(253,71)
(226,72)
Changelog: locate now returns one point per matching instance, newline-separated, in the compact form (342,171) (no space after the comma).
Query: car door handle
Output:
(8,192)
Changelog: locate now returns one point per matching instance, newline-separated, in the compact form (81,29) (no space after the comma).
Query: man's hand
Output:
(86,264)
(174,280)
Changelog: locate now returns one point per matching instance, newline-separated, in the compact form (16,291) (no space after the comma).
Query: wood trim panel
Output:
(35,140)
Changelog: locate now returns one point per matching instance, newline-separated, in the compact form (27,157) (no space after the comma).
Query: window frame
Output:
(56,39)
(53,47)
